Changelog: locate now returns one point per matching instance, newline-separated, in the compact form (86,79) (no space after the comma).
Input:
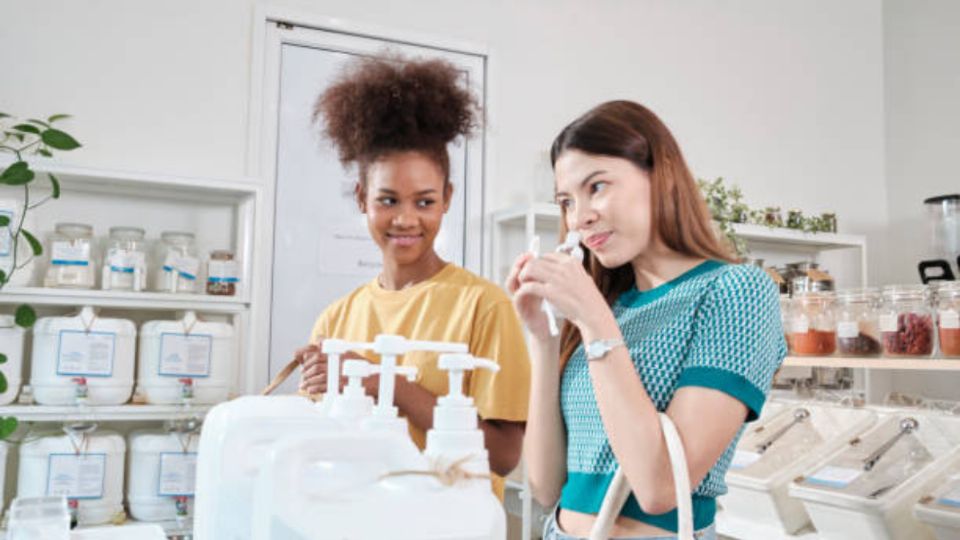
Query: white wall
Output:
(785,98)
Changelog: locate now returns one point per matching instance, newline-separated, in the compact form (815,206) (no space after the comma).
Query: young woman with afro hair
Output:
(393,119)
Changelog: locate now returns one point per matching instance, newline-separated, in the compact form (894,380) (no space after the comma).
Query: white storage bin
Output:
(778,449)
(84,465)
(848,499)
(11,344)
(941,509)
(83,359)
(162,474)
(186,360)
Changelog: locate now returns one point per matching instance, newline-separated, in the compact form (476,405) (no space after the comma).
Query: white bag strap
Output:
(619,489)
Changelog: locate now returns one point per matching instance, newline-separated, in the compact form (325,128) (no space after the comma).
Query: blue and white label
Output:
(178,474)
(834,477)
(6,241)
(187,267)
(222,272)
(125,262)
(185,355)
(86,353)
(70,254)
(76,476)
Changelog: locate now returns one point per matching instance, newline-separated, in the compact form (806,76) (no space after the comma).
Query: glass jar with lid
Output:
(178,263)
(906,321)
(858,325)
(72,261)
(948,318)
(222,273)
(813,329)
(125,262)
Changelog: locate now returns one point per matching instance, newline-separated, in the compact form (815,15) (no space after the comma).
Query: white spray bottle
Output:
(570,246)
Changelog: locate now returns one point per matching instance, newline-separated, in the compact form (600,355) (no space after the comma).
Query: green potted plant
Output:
(23,139)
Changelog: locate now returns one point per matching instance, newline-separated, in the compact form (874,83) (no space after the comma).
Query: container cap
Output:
(76,228)
(939,199)
(127,232)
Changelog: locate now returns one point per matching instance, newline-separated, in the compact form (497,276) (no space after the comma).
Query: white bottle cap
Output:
(455,433)
(354,403)
(333,348)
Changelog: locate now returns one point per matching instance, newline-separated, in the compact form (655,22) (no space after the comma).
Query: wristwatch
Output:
(599,348)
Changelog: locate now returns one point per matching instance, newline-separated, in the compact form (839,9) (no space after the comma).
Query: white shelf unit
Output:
(220,212)
(878,363)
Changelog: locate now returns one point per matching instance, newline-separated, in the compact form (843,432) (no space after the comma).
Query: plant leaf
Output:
(17,174)
(3,385)
(3,279)
(5,115)
(55,138)
(38,122)
(55,186)
(27,128)
(57,117)
(8,425)
(4,221)
(44,152)
(3,358)
(25,316)
(35,244)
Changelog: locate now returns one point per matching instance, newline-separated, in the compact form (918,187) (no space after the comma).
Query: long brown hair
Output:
(679,215)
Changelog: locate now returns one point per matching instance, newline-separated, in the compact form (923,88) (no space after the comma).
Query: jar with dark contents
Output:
(858,326)
(812,329)
(222,273)
(906,321)
(948,318)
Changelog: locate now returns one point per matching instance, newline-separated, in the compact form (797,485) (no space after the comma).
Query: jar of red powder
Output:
(812,329)
(906,321)
(858,329)
(948,318)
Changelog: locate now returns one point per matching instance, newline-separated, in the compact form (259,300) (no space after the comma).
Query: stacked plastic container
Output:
(162,473)
(940,510)
(775,451)
(11,344)
(868,488)
(83,359)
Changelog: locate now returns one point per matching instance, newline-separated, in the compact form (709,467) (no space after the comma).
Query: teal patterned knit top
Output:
(716,326)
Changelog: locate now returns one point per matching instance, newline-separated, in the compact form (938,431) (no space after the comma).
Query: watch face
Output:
(595,349)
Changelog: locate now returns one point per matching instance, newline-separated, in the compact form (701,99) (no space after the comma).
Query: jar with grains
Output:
(948,318)
(858,325)
(906,321)
(72,260)
(222,273)
(125,262)
(813,329)
(178,263)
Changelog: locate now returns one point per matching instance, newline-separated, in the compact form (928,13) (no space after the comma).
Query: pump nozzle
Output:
(456,364)
(334,348)
(389,347)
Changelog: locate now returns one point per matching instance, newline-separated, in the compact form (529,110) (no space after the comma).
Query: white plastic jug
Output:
(162,475)
(11,344)
(186,361)
(83,359)
(84,465)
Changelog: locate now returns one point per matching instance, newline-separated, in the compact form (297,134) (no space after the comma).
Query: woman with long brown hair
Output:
(659,319)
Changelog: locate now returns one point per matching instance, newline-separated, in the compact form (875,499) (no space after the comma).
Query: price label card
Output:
(744,458)
(834,477)
(70,254)
(848,329)
(76,476)
(86,353)
(185,355)
(178,474)
(888,323)
(949,319)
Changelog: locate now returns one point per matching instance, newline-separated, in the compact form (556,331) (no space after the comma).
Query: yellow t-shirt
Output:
(454,306)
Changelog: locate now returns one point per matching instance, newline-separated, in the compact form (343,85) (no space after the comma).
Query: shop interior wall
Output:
(922,110)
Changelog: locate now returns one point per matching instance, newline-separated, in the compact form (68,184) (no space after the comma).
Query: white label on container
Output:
(949,319)
(888,323)
(76,476)
(848,329)
(186,266)
(185,355)
(744,458)
(86,353)
(6,241)
(951,498)
(835,477)
(222,272)
(70,254)
(178,474)
(800,325)
(123,261)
